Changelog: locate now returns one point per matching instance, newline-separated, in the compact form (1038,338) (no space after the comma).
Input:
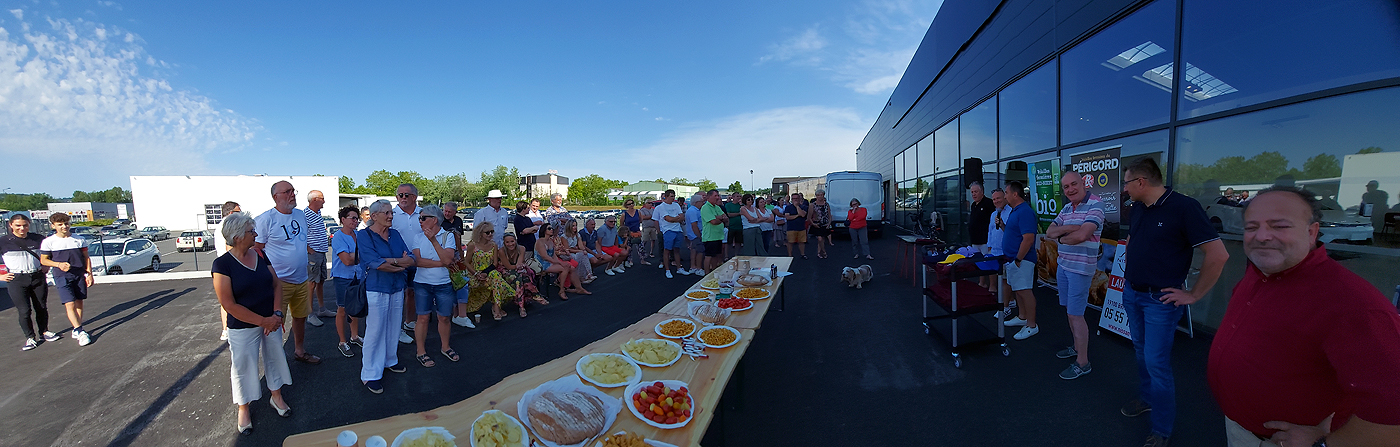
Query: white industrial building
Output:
(195,202)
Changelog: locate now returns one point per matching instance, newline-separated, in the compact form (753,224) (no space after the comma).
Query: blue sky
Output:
(627,90)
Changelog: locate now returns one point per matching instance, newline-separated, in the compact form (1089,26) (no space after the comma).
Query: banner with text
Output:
(1102,179)
(1114,317)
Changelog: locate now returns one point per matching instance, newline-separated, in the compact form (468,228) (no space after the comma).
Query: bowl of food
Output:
(625,439)
(425,437)
(712,284)
(664,404)
(567,412)
(652,352)
(752,280)
(699,294)
(608,370)
(675,328)
(752,293)
(707,313)
(735,304)
(495,428)
(718,336)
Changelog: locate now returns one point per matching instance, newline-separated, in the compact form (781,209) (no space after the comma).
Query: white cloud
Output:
(872,49)
(803,48)
(69,97)
(19,13)
(806,140)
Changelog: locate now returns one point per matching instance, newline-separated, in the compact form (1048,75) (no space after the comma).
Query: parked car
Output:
(195,241)
(124,255)
(119,233)
(1337,225)
(155,233)
(88,233)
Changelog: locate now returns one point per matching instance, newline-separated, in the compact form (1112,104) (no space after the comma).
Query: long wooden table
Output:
(706,377)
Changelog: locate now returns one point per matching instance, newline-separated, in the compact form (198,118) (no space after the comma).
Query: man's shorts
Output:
(669,240)
(797,236)
(296,299)
(696,247)
(71,289)
(713,248)
(1074,291)
(649,233)
(611,251)
(1020,278)
(734,236)
(429,298)
(316,267)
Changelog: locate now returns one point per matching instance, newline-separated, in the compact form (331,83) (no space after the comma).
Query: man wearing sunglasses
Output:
(406,222)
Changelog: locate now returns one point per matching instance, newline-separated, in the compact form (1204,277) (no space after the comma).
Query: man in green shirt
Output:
(735,239)
(712,219)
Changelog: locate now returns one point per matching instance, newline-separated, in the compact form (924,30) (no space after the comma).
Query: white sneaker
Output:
(668,274)
(83,338)
(697,272)
(1026,332)
(1015,321)
(610,272)
(620,269)
(1004,313)
(314,321)
(660,265)
(411,325)
(29,344)
(405,338)
(223,336)
(628,264)
(50,336)
(326,313)
(465,322)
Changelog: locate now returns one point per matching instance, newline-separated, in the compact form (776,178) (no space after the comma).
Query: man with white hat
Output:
(493,213)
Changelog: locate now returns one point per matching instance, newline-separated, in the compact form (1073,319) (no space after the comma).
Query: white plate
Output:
(702,285)
(690,310)
(636,370)
(693,326)
(766,294)
(673,384)
(414,433)
(524,433)
(648,442)
(730,329)
(656,365)
(708,294)
(611,406)
(741,309)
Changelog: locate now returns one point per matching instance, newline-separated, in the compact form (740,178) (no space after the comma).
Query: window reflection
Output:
(1026,110)
(978,132)
(1119,79)
(946,143)
(926,157)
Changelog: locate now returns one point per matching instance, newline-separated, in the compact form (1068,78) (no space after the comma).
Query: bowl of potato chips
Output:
(495,428)
(424,437)
(652,352)
(609,370)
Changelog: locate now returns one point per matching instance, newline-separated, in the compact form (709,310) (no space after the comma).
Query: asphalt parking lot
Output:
(838,367)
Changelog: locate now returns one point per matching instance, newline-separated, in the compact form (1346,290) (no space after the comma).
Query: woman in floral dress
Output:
(510,262)
(483,278)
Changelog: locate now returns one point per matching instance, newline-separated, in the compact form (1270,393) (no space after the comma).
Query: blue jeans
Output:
(434,297)
(1153,326)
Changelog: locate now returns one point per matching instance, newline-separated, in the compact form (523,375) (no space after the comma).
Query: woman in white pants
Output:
(249,291)
(385,258)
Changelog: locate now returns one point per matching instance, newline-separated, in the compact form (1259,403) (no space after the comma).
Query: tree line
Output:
(589,190)
(41,201)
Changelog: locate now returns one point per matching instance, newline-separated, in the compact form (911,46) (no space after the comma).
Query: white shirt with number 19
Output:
(285,239)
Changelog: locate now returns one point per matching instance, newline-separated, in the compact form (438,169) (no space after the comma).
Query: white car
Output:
(126,255)
(195,241)
(1337,224)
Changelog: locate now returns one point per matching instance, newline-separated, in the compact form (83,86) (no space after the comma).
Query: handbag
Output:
(356,298)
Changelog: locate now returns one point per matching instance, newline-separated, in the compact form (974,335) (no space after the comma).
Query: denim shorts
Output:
(1074,291)
(434,297)
(670,239)
(340,285)
(463,295)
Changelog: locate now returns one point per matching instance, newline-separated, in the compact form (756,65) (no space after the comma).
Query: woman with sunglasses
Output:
(345,267)
(548,251)
(483,280)
(510,262)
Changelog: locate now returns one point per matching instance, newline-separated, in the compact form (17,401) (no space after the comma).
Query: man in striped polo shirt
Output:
(1077,230)
(317,244)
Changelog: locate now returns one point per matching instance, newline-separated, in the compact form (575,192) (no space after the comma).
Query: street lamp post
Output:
(751,185)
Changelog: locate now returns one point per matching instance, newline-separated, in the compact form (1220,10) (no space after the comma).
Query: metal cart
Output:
(953,288)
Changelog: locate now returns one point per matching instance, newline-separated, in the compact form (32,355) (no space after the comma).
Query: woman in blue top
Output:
(385,257)
(345,268)
(632,219)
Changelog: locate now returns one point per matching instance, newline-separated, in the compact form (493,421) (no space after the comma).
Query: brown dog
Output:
(856,276)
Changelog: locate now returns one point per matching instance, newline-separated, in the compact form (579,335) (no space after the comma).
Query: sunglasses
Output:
(425,218)
(406,194)
(489,232)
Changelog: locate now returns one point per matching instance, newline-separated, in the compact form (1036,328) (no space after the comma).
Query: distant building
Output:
(86,211)
(196,202)
(782,186)
(643,191)
(544,185)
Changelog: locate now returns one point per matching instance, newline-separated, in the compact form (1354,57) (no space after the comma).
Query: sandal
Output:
(451,355)
(522,312)
(426,361)
(307,358)
(541,300)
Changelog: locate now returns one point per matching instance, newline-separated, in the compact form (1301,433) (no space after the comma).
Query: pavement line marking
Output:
(40,379)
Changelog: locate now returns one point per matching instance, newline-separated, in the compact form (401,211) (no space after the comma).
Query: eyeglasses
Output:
(352,217)
(425,218)
(406,194)
(1125,182)
(292,191)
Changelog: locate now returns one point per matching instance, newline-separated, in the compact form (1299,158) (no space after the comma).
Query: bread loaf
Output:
(566,418)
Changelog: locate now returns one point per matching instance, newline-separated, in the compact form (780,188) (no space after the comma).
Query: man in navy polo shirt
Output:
(1018,244)
(1164,229)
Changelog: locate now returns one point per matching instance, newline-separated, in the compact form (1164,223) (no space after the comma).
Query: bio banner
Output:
(1047,197)
(1102,180)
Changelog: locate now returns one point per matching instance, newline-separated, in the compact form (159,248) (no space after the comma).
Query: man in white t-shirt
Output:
(282,238)
(499,217)
(406,222)
(670,215)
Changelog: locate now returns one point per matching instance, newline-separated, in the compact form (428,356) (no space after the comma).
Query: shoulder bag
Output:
(356,300)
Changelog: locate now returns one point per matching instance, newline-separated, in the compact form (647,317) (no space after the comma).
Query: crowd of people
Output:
(417,269)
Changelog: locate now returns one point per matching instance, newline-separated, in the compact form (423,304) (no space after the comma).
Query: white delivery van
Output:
(842,186)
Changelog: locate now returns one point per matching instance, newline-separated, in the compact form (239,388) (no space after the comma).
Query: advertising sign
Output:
(1102,179)
(1114,318)
(1046,196)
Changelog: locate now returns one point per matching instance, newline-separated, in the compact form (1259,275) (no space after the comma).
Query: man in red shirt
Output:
(1308,353)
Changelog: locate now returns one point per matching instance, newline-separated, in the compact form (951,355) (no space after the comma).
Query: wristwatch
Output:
(1321,442)
(278,314)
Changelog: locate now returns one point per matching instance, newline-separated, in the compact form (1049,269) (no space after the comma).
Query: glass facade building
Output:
(1230,96)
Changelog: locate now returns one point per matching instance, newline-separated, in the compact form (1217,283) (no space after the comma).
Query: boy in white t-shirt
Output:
(71,266)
